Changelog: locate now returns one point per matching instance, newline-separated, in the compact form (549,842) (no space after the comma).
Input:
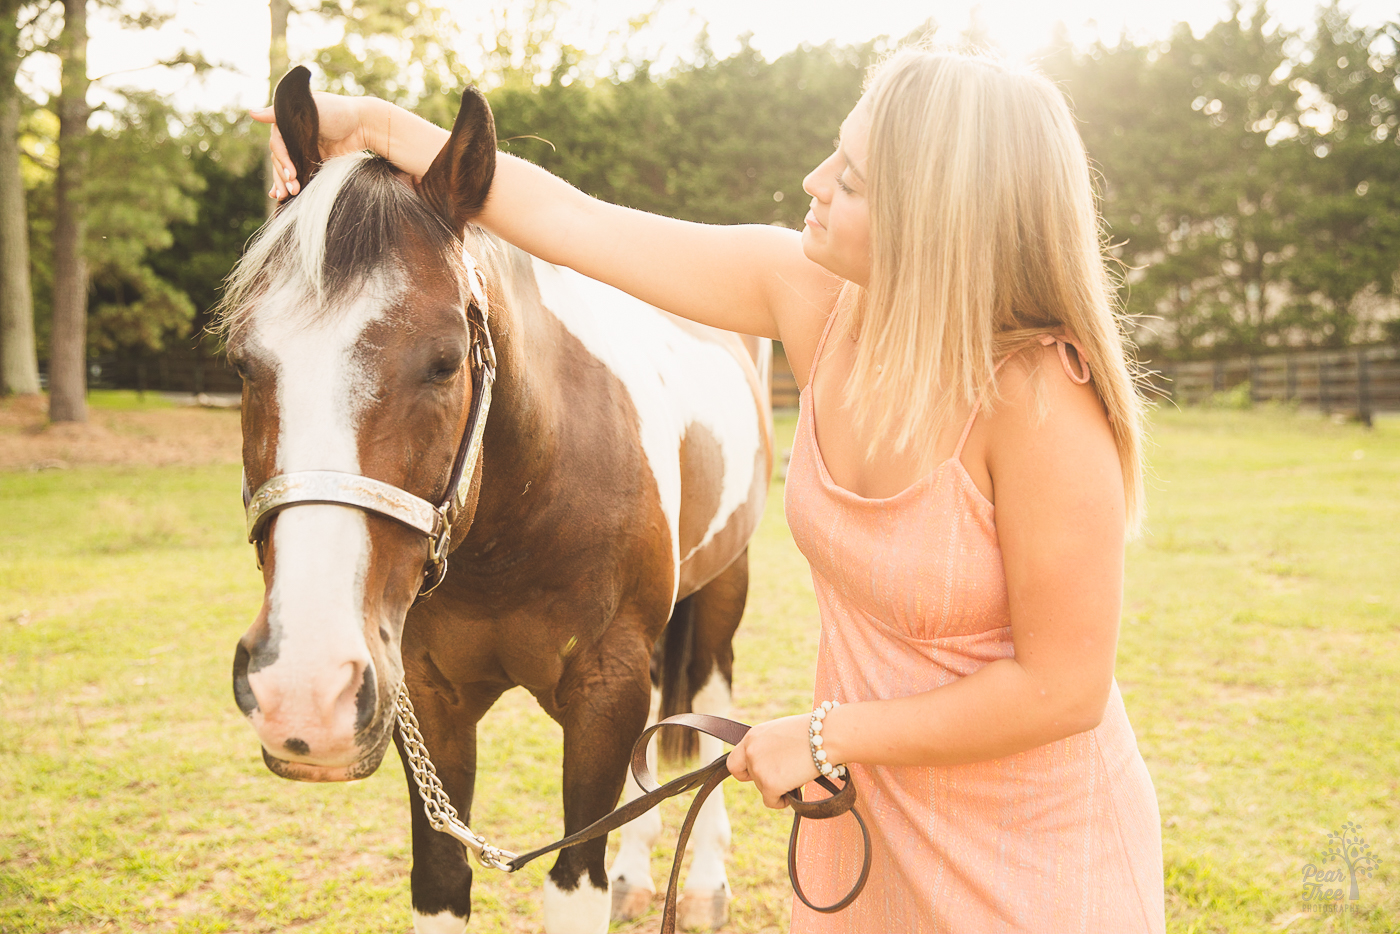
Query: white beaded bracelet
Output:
(815,741)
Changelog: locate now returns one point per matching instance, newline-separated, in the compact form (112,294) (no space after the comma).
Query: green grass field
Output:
(126,400)
(1260,658)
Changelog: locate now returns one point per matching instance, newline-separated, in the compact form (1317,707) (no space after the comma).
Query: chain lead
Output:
(439,810)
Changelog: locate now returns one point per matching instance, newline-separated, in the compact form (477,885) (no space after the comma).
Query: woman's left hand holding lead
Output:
(776,757)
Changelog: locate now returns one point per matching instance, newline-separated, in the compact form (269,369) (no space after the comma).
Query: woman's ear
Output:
(457,182)
(298,122)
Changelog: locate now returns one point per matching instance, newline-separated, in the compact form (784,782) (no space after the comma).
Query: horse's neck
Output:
(519,427)
(515,319)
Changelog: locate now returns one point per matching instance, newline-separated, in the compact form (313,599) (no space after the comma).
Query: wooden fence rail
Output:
(1357,382)
(177,369)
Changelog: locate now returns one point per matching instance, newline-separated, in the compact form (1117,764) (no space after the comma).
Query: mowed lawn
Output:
(1259,658)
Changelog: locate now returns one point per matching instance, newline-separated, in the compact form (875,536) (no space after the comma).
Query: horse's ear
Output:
(298,122)
(456,184)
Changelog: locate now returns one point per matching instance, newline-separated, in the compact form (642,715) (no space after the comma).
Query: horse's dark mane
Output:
(354,220)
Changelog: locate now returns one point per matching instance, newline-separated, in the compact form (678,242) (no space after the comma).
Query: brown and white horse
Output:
(623,469)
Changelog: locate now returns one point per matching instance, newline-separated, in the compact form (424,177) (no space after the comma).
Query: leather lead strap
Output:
(792,846)
(707,779)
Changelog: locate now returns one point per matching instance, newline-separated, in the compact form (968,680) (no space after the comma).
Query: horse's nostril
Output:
(242,691)
(366,700)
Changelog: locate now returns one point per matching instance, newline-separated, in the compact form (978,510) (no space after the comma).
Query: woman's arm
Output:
(1060,523)
(754,279)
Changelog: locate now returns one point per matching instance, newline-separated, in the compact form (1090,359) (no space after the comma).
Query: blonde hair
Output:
(984,235)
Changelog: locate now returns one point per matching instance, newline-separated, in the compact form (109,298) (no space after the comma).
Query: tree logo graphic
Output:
(1351,849)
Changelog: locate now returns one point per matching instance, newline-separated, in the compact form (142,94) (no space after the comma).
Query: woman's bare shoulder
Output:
(1049,433)
(1040,381)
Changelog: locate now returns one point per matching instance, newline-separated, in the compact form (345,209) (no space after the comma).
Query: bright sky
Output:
(236,31)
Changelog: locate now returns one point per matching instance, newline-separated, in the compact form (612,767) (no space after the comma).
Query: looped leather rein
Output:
(707,779)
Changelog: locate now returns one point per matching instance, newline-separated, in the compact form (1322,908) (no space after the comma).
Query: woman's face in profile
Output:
(837,230)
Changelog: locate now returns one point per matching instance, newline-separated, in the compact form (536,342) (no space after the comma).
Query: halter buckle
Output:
(439,544)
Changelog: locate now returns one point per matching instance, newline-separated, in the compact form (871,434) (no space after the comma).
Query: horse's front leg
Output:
(441,879)
(605,710)
(630,875)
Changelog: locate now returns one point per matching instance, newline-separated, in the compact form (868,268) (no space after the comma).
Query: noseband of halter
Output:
(360,492)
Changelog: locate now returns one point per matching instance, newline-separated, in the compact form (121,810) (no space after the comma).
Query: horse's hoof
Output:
(629,901)
(703,911)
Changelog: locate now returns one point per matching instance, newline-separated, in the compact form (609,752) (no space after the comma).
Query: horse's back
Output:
(701,400)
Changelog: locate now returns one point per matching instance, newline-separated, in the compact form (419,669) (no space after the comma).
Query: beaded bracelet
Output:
(815,741)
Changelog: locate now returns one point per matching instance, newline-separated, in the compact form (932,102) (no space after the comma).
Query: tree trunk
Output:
(278,63)
(68,345)
(19,366)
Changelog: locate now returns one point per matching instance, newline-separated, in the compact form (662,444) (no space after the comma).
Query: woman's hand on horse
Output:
(775,757)
(749,278)
(344,128)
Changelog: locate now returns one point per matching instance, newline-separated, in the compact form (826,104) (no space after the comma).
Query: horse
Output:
(591,544)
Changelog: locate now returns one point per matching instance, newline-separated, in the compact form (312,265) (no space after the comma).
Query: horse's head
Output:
(350,319)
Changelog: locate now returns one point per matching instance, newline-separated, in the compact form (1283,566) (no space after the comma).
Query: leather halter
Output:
(332,487)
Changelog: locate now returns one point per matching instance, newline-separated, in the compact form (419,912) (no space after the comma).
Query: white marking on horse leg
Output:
(583,911)
(709,841)
(444,922)
(632,865)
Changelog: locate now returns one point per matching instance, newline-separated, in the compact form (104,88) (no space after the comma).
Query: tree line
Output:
(1249,177)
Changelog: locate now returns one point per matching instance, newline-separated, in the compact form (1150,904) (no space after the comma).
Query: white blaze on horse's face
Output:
(318,691)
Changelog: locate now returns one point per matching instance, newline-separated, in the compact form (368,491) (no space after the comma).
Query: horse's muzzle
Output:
(324,724)
(363,767)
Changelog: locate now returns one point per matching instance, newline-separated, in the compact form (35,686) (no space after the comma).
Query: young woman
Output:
(966,469)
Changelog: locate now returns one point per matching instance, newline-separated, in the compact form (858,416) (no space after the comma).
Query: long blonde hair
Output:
(984,235)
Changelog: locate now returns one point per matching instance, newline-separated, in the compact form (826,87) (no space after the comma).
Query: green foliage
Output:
(1348,218)
(229,210)
(1250,181)
(1237,398)
(138,184)
(1250,176)
(401,52)
(168,216)
(722,142)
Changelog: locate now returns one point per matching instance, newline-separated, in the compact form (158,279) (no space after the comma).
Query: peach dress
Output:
(1058,839)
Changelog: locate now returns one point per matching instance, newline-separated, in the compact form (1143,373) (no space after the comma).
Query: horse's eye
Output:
(442,371)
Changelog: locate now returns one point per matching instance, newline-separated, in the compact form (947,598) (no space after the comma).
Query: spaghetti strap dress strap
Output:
(1078,376)
(967,429)
(821,344)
